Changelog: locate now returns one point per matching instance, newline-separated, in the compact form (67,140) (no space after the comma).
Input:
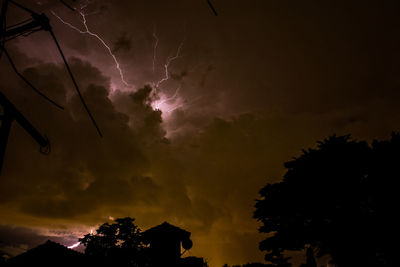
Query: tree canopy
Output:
(339,198)
(119,242)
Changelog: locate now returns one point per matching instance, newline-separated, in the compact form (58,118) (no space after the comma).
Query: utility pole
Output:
(11,114)
(37,22)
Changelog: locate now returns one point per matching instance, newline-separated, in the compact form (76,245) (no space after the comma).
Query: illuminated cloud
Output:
(256,85)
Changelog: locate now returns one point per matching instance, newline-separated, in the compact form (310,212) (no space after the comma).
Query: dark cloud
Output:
(257,84)
(83,170)
(143,119)
(179,76)
(123,43)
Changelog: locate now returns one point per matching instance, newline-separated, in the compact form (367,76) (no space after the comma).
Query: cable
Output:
(43,21)
(15,36)
(2,41)
(3,22)
(29,33)
(212,7)
(26,81)
(19,23)
(65,4)
(24,34)
(183,252)
(21,6)
(75,84)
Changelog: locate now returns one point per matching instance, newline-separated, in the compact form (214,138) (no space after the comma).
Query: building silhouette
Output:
(50,254)
(166,244)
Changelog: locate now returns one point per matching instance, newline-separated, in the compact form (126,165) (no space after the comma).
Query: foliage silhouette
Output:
(254,264)
(310,258)
(119,243)
(339,199)
(2,259)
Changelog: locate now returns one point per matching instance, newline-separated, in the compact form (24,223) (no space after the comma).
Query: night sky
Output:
(244,92)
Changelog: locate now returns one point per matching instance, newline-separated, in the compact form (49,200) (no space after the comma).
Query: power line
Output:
(28,82)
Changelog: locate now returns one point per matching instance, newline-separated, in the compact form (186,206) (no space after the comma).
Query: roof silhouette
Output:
(166,242)
(165,229)
(49,254)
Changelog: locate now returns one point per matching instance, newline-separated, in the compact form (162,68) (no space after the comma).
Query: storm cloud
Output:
(252,87)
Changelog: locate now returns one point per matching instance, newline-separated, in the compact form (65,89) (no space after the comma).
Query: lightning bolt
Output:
(169,60)
(163,100)
(78,243)
(74,245)
(183,104)
(87,31)
(155,47)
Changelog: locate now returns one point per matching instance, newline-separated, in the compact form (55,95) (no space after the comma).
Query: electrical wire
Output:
(15,36)
(65,4)
(212,7)
(44,23)
(21,6)
(19,23)
(75,84)
(29,33)
(24,33)
(27,82)
(3,21)
(2,41)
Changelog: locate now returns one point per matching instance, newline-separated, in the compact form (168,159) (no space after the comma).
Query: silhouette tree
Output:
(117,244)
(383,199)
(338,199)
(310,258)
(2,258)
(276,258)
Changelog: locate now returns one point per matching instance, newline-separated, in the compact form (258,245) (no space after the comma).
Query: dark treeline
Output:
(339,199)
(247,265)
(120,243)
